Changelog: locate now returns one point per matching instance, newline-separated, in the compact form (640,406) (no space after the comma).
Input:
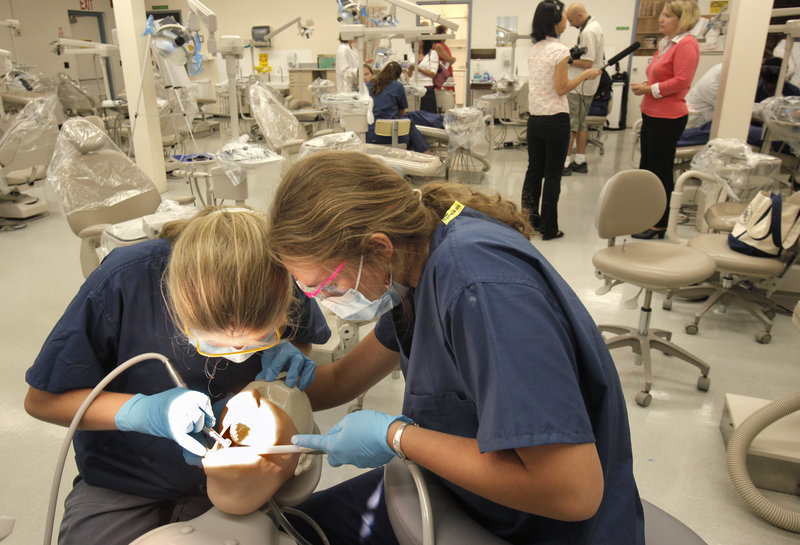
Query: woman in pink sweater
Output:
(664,110)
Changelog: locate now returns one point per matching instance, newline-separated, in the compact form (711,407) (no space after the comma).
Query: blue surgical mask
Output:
(353,305)
(228,352)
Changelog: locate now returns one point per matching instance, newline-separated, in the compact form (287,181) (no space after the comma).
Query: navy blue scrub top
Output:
(119,313)
(504,351)
(387,105)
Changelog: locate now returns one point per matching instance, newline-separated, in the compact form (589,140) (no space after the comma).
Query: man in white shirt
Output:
(347,63)
(590,36)
(702,97)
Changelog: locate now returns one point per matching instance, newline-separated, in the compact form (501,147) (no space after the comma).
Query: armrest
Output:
(185,200)
(93,230)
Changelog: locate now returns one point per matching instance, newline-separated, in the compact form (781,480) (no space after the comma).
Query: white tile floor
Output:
(679,457)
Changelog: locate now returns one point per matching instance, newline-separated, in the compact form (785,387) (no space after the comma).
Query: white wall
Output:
(40,22)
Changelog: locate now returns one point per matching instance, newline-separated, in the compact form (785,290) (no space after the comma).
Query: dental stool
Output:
(403,482)
(403,485)
(632,201)
(393,128)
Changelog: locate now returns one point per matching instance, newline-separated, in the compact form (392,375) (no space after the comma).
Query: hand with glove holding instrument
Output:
(358,439)
(174,414)
(287,357)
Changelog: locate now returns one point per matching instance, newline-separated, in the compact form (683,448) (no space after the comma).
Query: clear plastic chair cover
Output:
(342,104)
(320,87)
(337,141)
(277,124)
(238,155)
(741,171)
(88,171)
(782,116)
(465,126)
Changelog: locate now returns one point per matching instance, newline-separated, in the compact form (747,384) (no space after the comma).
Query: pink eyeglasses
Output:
(313,291)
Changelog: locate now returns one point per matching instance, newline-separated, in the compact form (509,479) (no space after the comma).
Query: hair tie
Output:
(418,192)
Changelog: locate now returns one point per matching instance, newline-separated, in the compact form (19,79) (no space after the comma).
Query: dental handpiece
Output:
(176,378)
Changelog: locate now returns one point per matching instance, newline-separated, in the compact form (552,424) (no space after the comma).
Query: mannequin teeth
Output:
(239,432)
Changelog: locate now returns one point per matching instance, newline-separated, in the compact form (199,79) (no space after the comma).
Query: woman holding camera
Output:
(548,125)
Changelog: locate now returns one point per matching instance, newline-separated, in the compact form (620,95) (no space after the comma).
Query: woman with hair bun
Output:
(511,398)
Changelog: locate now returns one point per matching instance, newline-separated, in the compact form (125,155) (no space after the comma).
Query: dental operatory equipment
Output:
(306,475)
(179,382)
(100,53)
(76,420)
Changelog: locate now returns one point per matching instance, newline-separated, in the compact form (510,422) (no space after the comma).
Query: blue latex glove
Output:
(287,357)
(174,414)
(194,459)
(358,439)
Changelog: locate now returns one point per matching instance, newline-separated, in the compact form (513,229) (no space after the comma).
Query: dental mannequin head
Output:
(239,479)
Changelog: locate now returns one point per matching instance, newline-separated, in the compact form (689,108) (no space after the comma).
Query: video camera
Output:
(576,53)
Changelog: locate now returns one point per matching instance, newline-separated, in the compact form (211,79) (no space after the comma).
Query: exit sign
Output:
(164,6)
(87,5)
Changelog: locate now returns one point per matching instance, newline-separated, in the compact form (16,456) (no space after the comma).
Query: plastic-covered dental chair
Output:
(424,512)
(282,131)
(466,130)
(25,151)
(97,184)
(74,99)
(630,202)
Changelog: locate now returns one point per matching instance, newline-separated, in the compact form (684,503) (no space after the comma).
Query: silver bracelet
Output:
(396,440)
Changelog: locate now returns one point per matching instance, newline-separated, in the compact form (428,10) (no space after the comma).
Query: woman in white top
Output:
(427,65)
(548,125)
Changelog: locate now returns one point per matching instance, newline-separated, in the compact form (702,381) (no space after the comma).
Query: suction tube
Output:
(76,420)
(738,445)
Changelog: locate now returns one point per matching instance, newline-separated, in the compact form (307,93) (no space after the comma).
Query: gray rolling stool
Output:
(451,526)
(661,528)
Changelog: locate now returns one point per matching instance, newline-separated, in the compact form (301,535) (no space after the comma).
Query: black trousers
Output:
(658,140)
(548,140)
(428,101)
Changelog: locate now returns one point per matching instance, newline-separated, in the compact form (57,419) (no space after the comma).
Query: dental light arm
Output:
(422,12)
(305,30)
(199,13)
(83,47)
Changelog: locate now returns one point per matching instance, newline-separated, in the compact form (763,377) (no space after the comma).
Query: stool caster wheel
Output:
(703,383)
(643,398)
(763,337)
(667,304)
(691,328)
(770,314)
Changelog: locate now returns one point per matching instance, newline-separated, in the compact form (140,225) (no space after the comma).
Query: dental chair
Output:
(25,151)
(740,275)
(466,130)
(74,99)
(422,510)
(98,186)
(282,131)
(630,202)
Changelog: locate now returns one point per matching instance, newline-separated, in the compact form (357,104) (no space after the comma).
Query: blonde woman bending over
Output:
(210,296)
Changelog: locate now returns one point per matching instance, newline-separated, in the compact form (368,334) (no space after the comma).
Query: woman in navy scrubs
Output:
(210,296)
(511,397)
